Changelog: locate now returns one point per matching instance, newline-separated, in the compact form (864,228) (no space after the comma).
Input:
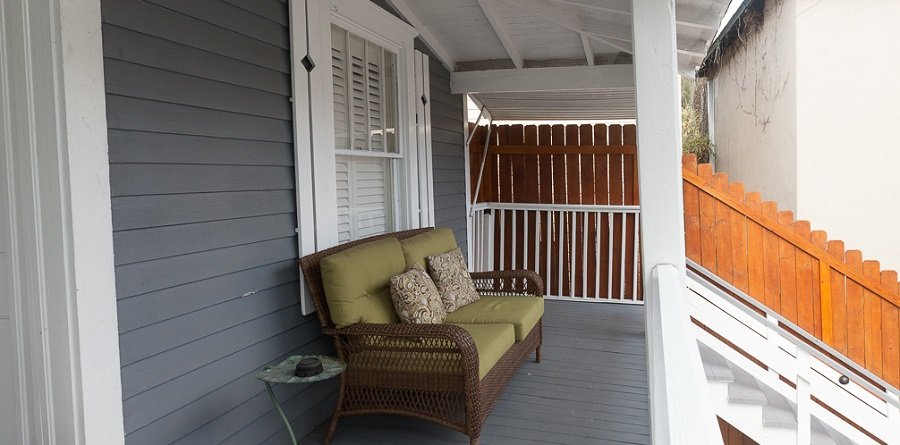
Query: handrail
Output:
(677,380)
(788,235)
(810,344)
(558,207)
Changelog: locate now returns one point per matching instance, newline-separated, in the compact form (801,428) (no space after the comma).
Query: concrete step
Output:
(746,392)
(717,372)
(778,417)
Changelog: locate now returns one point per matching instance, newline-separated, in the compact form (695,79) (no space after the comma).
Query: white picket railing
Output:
(788,360)
(583,252)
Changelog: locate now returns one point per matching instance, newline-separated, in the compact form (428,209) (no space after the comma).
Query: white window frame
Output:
(314,120)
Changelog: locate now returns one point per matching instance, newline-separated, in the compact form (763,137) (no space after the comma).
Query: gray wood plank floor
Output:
(590,389)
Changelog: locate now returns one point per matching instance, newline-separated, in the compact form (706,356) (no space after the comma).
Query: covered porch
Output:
(207,149)
(590,388)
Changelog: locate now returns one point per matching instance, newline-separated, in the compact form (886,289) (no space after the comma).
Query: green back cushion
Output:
(418,248)
(357,282)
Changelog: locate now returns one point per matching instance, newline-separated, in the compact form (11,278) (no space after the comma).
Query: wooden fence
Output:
(832,293)
(564,165)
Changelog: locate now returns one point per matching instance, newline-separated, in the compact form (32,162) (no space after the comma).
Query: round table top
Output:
(284,371)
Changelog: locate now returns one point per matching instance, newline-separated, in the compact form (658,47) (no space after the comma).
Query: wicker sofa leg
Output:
(474,441)
(537,354)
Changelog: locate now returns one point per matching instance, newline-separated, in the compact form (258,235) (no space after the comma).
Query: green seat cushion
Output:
(492,341)
(522,312)
(357,282)
(417,249)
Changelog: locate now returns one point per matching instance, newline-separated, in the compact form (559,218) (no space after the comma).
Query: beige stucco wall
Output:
(753,100)
(848,108)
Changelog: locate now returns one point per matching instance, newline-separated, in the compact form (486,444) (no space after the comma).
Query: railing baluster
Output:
(537,241)
(584,254)
(622,260)
(573,222)
(525,240)
(548,245)
(515,214)
(502,265)
(609,263)
(560,241)
(637,259)
(597,255)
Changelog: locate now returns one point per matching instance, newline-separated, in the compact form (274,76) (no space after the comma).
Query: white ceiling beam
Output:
(487,6)
(543,79)
(431,40)
(588,51)
(625,13)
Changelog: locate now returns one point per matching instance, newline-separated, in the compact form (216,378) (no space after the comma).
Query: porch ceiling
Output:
(488,35)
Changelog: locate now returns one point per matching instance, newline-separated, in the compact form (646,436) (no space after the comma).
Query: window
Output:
(367,153)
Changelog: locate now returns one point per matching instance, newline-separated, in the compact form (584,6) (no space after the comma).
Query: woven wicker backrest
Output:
(312,273)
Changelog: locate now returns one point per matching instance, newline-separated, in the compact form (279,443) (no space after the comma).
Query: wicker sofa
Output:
(451,373)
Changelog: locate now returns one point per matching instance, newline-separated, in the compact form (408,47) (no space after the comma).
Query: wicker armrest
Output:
(411,346)
(509,282)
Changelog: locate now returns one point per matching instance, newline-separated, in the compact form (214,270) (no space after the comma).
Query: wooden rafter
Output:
(612,44)
(427,36)
(488,7)
(588,51)
(628,13)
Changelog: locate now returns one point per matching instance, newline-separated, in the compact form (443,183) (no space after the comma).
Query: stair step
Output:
(821,438)
(746,393)
(778,417)
(718,373)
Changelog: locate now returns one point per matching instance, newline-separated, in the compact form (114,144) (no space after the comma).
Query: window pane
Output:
(363,196)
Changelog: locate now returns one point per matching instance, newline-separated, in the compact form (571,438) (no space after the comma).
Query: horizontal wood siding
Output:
(447,144)
(202,177)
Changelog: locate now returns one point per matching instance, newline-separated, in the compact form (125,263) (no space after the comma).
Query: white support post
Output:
(662,219)
(58,270)
(658,98)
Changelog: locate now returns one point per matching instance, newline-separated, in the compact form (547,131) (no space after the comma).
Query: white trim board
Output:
(542,79)
(56,172)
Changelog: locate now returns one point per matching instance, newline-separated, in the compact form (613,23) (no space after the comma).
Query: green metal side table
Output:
(284,373)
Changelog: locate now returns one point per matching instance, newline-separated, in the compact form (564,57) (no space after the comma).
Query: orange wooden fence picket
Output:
(845,301)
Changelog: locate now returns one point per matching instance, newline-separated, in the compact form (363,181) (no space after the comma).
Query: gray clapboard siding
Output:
(140,16)
(447,141)
(137,81)
(202,180)
(232,18)
(168,241)
(154,307)
(143,49)
(129,113)
(134,212)
(161,148)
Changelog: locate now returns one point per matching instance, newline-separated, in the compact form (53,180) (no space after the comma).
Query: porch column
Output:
(658,135)
(680,412)
(57,281)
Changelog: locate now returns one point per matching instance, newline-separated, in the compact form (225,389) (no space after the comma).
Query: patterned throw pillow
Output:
(451,276)
(416,300)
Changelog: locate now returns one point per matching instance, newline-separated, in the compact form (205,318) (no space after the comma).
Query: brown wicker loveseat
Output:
(430,371)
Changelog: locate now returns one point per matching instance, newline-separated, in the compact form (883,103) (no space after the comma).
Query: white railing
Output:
(793,363)
(583,252)
(679,415)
